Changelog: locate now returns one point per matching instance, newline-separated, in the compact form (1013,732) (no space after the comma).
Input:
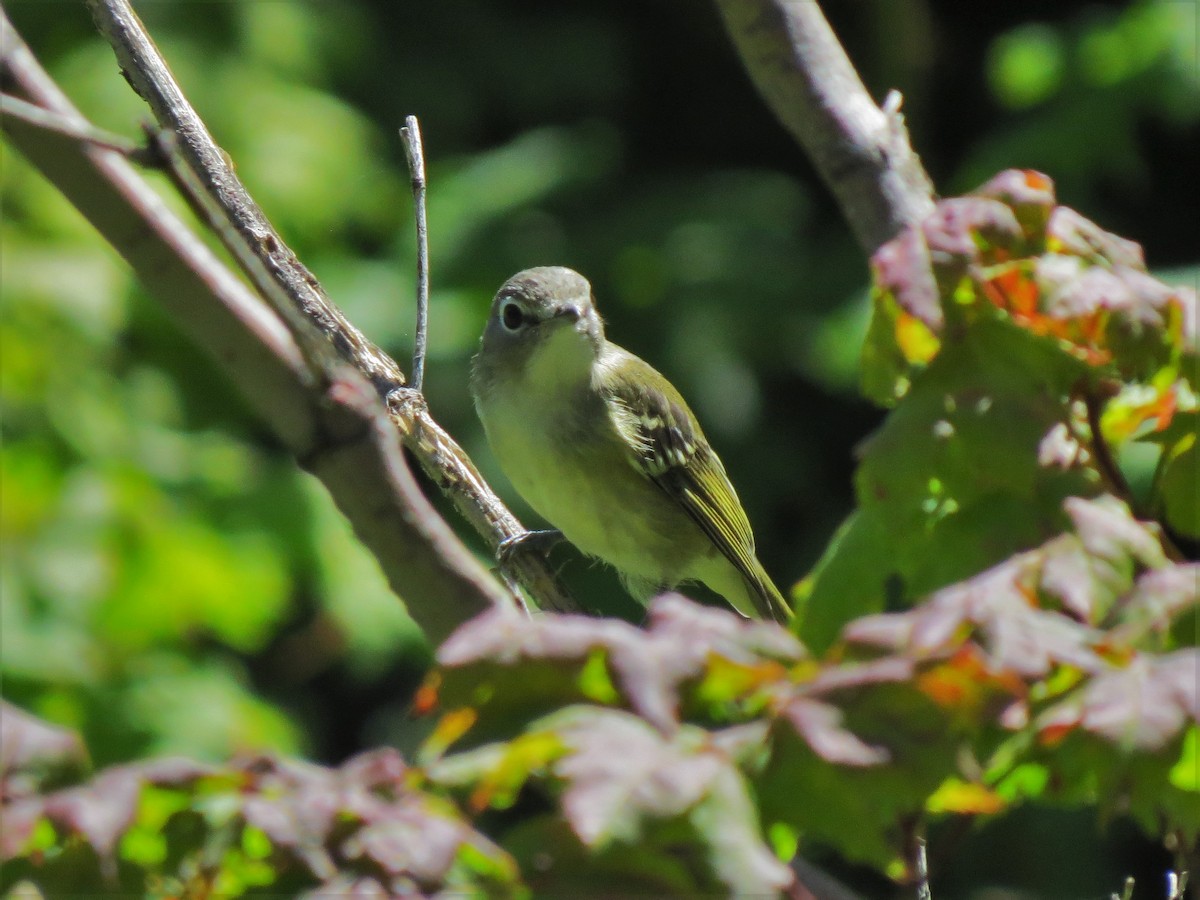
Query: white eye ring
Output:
(512,317)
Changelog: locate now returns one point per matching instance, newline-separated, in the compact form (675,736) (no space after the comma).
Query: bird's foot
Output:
(541,542)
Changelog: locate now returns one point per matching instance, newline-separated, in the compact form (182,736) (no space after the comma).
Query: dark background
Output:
(171,584)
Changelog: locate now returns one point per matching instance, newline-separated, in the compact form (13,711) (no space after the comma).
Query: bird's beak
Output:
(568,311)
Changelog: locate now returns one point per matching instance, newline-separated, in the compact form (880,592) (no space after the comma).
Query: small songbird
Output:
(604,448)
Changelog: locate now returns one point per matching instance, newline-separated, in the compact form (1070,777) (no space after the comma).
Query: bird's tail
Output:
(768,601)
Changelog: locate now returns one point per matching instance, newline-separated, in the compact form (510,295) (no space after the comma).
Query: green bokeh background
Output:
(170,583)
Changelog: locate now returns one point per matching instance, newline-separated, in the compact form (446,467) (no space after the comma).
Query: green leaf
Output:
(1178,484)
(952,482)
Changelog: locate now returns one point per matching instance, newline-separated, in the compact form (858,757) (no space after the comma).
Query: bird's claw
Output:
(541,542)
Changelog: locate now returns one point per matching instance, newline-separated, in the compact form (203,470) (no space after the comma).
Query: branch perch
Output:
(440,457)
(342,435)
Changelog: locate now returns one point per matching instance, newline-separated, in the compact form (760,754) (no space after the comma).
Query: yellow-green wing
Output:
(666,444)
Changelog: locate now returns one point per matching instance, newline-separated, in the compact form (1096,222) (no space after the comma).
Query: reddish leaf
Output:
(349,887)
(99,811)
(903,268)
(29,746)
(648,665)
(996,608)
(1070,233)
(1110,533)
(680,639)
(1045,267)
(622,774)
(295,805)
(1143,705)
(408,838)
(1029,194)
(820,726)
(620,769)
(960,227)
(1159,596)
(1087,571)
(851,676)
(19,821)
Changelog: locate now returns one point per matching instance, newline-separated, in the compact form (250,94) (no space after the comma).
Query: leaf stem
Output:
(1109,470)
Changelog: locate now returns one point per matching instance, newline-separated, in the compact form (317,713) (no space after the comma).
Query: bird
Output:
(603,447)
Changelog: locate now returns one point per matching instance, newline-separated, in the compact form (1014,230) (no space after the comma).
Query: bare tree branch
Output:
(861,151)
(341,435)
(147,72)
(441,458)
(80,131)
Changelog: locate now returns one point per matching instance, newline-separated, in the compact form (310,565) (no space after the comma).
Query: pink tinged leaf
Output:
(1077,235)
(681,637)
(295,806)
(951,231)
(1109,531)
(100,811)
(738,742)
(849,676)
(621,769)
(903,267)
(384,768)
(1068,576)
(505,636)
(26,741)
(891,630)
(1142,705)
(993,608)
(1162,594)
(19,819)
(409,840)
(174,771)
(348,887)
(727,819)
(1059,449)
(1021,189)
(820,726)
(1179,675)
(1094,289)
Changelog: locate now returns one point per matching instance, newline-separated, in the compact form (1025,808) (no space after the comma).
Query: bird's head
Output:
(543,323)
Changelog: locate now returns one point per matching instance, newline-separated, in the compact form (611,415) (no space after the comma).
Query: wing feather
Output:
(666,445)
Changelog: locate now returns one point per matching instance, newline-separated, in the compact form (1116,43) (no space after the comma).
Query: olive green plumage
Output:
(603,447)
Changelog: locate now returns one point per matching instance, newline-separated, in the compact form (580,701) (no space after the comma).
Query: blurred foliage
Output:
(579,756)
(171,584)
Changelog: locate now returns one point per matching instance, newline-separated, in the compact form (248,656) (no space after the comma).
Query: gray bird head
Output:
(537,308)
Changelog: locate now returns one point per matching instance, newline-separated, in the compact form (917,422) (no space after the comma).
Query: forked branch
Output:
(438,454)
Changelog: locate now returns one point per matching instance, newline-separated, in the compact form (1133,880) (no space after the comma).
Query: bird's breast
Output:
(564,456)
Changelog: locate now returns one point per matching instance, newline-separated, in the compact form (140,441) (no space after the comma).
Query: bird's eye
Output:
(511,316)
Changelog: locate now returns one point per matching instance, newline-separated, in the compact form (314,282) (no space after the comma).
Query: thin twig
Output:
(84,132)
(1109,470)
(923,891)
(410,134)
(1176,885)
